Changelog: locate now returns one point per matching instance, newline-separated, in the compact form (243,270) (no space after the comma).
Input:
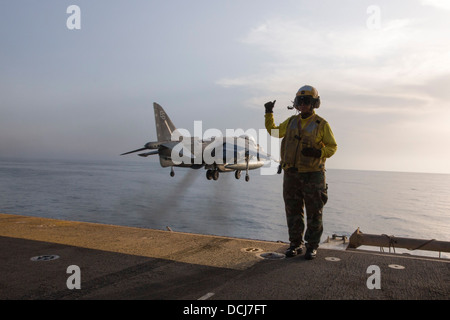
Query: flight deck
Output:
(47,259)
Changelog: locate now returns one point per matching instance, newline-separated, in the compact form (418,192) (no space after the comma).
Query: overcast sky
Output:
(382,69)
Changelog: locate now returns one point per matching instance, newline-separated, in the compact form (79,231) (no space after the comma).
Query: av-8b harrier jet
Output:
(219,154)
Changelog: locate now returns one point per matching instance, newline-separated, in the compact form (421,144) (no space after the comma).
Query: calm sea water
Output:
(142,194)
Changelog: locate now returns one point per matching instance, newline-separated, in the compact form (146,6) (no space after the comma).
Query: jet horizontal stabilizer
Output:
(137,150)
(148,153)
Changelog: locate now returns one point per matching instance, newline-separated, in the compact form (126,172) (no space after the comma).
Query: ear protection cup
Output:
(316,103)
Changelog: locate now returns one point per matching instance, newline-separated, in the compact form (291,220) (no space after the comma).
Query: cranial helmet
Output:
(308,94)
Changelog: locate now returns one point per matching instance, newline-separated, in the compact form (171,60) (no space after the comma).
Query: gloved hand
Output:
(269,106)
(312,152)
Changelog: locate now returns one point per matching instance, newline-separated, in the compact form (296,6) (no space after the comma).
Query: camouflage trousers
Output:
(304,190)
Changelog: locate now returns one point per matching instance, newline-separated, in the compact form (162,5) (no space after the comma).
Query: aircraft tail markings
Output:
(164,126)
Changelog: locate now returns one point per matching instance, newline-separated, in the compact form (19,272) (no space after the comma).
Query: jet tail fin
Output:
(164,126)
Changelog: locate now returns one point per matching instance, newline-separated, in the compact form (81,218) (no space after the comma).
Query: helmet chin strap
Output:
(306,114)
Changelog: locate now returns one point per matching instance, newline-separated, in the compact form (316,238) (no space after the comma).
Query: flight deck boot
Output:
(293,251)
(310,253)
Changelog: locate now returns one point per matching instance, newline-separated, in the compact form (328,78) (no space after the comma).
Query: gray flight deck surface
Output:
(119,262)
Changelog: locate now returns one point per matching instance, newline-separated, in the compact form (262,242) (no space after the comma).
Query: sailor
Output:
(307,142)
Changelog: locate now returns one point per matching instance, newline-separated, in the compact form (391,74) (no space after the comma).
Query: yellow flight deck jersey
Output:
(297,134)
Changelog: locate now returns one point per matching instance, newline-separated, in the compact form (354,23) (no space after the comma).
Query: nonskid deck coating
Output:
(134,263)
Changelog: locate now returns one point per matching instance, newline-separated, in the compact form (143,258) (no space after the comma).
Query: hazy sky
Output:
(382,69)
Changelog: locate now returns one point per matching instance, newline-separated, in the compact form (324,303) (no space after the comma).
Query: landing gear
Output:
(212,174)
(172,173)
(237,174)
(247,177)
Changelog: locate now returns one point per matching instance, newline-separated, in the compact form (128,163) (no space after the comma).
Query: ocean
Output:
(142,194)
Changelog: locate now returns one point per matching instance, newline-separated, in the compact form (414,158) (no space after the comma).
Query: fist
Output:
(269,106)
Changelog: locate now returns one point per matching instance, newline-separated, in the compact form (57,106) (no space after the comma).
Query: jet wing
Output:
(235,149)
(247,146)
(260,154)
